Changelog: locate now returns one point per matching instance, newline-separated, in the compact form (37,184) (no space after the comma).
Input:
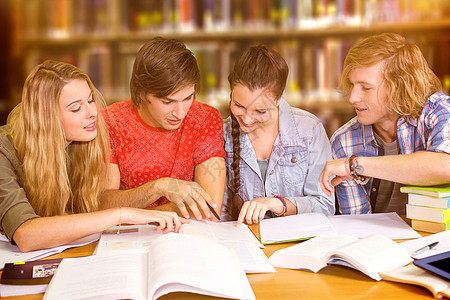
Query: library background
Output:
(102,37)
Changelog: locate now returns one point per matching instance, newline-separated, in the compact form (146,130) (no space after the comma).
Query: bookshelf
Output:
(103,36)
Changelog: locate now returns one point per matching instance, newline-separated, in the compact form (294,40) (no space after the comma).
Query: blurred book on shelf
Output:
(102,37)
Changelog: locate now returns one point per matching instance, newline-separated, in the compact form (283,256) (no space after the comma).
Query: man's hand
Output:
(337,167)
(187,194)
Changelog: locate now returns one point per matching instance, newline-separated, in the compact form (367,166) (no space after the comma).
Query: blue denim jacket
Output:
(297,159)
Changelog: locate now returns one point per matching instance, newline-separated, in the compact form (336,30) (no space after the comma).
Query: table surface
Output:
(332,282)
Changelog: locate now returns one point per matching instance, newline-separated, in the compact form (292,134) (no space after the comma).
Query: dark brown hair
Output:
(162,67)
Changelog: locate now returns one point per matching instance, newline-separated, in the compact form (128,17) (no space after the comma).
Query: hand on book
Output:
(254,211)
(188,194)
(166,221)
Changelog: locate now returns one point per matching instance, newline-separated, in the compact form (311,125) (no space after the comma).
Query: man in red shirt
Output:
(166,148)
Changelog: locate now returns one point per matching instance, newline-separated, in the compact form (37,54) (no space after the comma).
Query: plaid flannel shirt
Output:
(429,132)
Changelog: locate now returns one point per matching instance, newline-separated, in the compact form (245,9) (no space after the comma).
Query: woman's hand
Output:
(167,221)
(253,211)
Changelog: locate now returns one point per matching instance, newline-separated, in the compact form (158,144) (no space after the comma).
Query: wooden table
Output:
(333,282)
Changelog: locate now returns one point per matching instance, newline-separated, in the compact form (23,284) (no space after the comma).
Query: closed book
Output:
(442,190)
(427,213)
(422,200)
(32,272)
(427,226)
(25,278)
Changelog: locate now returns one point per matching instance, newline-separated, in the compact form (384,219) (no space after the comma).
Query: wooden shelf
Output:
(434,26)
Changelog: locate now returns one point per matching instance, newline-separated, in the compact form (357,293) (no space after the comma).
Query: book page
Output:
(309,254)
(373,254)
(9,290)
(295,227)
(414,275)
(251,257)
(195,264)
(222,231)
(119,275)
(390,225)
(133,237)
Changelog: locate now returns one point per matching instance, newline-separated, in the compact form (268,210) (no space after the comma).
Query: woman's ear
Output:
(278,102)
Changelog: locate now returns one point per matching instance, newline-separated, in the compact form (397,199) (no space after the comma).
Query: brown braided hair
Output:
(235,134)
(237,201)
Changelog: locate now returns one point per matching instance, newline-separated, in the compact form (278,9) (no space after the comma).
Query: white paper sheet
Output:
(294,227)
(443,239)
(10,253)
(390,225)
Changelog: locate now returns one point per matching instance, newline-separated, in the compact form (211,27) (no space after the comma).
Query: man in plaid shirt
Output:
(400,135)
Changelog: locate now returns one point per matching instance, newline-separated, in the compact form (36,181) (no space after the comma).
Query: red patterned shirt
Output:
(146,153)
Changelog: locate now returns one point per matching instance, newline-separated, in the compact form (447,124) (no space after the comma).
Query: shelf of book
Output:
(102,37)
(435,27)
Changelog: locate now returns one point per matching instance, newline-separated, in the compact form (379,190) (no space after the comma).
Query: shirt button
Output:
(374,189)
(293,159)
(271,172)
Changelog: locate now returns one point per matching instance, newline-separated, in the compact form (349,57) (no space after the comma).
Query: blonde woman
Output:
(53,155)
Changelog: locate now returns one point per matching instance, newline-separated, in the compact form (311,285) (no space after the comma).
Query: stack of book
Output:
(428,207)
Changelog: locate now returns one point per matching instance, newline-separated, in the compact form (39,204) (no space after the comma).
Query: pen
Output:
(213,211)
(425,248)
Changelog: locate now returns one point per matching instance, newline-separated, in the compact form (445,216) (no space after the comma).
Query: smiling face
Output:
(254,110)
(368,96)
(78,111)
(167,112)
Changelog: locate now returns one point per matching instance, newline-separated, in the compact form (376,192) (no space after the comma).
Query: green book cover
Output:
(439,191)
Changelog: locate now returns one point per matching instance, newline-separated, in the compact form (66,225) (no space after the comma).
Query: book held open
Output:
(412,274)
(369,255)
(175,263)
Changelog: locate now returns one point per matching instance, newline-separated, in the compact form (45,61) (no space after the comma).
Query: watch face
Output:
(359,169)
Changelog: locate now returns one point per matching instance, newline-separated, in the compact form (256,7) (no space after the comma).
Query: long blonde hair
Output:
(58,180)
(408,79)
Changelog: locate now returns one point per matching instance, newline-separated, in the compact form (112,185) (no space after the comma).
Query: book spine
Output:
(427,226)
(427,213)
(421,200)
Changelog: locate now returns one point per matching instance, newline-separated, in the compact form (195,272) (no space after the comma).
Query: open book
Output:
(412,274)
(174,263)
(307,225)
(239,240)
(369,255)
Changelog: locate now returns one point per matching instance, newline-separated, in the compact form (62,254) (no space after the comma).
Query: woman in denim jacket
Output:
(275,153)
